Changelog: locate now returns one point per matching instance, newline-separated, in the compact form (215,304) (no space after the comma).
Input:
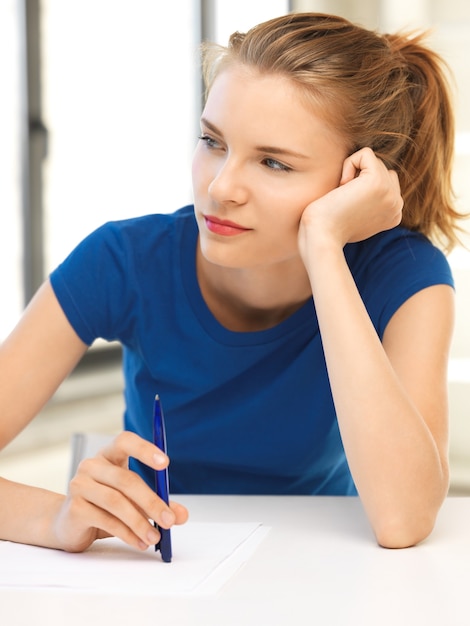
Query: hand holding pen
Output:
(107,499)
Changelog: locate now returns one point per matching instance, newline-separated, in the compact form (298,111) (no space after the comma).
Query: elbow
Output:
(403,533)
(405,524)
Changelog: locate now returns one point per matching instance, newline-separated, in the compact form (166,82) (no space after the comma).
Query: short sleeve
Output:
(392,267)
(93,285)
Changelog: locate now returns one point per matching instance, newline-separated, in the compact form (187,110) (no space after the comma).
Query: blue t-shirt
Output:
(246,412)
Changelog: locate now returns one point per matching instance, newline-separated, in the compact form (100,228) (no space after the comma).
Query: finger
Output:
(128,444)
(348,175)
(356,163)
(180,511)
(349,171)
(115,512)
(88,516)
(128,495)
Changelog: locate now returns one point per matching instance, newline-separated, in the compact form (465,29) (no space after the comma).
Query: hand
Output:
(366,202)
(107,499)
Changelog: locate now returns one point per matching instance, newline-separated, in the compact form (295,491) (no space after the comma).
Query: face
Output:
(262,157)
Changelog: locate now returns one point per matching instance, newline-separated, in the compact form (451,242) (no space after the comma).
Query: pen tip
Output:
(157,397)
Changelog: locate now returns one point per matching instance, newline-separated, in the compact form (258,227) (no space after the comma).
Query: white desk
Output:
(318,565)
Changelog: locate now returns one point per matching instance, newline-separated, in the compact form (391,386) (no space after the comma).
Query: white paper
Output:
(205,556)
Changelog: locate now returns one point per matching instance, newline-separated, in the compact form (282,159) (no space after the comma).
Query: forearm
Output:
(27,514)
(395,462)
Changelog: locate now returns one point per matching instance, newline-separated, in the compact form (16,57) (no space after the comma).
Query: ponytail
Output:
(425,167)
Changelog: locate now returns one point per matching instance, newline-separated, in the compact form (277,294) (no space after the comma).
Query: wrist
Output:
(319,241)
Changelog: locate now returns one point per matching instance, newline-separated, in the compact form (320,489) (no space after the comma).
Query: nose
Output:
(229,183)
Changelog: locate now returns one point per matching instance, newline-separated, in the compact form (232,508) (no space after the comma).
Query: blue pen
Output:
(161,479)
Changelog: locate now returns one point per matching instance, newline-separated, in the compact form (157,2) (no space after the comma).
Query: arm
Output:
(38,355)
(390,398)
(105,497)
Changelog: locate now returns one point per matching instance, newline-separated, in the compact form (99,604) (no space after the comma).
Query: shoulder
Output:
(398,249)
(146,229)
(129,242)
(391,267)
(117,243)
(398,243)
(101,281)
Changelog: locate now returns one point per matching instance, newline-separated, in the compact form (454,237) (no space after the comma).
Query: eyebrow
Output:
(269,149)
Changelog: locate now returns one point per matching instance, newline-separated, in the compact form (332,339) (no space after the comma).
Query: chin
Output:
(223,258)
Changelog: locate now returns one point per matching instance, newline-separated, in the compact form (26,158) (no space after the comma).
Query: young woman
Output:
(295,322)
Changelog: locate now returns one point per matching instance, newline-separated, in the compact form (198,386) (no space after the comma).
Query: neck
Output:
(252,299)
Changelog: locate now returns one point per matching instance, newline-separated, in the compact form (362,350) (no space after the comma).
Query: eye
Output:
(272,164)
(209,141)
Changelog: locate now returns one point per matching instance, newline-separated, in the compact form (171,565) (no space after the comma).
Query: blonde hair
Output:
(387,92)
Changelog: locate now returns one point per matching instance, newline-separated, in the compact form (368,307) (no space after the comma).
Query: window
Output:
(228,17)
(121,102)
(11,133)
(119,85)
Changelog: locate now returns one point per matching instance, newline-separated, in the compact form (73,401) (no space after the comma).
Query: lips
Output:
(224,227)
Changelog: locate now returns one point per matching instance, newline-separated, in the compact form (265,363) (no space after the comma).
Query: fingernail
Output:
(167,519)
(159,458)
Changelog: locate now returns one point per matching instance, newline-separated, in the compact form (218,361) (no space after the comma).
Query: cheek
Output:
(199,170)
(299,195)
(289,206)
(195,171)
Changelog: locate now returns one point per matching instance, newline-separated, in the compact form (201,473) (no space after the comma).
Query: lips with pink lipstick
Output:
(224,227)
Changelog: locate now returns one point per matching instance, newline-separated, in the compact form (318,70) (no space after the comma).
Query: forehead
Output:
(253,88)
(246,100)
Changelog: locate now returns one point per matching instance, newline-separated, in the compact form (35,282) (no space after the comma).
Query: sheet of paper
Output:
(205,556)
